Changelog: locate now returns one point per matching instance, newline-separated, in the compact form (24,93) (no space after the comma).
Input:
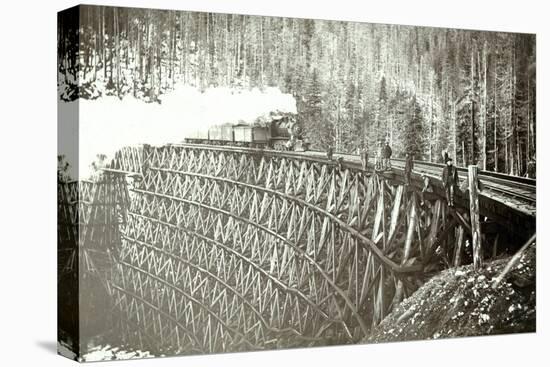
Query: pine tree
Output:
(382,131)
(476,90)
(413,133)
(318,132)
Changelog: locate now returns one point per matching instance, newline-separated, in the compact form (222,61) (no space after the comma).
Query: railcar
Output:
(281,133)
(197,136)
(251,136)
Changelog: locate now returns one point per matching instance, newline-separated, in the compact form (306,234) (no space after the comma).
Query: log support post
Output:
(411,226)
(457,259)
(474,214)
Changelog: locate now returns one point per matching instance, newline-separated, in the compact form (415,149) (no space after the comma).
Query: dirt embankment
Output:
(462,302)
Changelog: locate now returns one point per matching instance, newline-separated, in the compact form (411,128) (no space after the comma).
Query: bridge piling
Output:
(457,259)
(474,214)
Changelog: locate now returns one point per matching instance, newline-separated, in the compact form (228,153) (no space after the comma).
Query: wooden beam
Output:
(407,248)
(474,215)
(382,193)
(514,260)
(439,240)
(379,214)
(458,247)
(434,228)
(410,230)
(395,210)
(461,219)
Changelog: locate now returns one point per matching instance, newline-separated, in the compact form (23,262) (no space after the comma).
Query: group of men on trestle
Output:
(382,162)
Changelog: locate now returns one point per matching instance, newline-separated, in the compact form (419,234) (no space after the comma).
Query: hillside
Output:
(461,302)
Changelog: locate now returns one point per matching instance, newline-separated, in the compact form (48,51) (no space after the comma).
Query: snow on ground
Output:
(64,350)
(107,353)
(108,123)
(462,302)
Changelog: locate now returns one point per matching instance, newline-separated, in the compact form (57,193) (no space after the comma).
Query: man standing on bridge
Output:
(379,156)
(450,181)
(364,158)
(330,152)
(340,162)
(387,155)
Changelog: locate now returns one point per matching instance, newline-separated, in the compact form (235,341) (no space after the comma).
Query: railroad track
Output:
(520,188)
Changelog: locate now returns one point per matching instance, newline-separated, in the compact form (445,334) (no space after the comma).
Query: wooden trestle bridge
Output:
(211,249)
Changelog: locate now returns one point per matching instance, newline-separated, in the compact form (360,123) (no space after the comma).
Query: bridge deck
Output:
(516,193)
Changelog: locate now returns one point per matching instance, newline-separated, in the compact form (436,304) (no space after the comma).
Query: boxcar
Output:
(221,134)
(197,136)
(253,136)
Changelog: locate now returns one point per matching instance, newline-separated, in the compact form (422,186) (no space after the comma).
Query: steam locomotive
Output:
(281,133)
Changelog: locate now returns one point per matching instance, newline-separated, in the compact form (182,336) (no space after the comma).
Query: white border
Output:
(28,192)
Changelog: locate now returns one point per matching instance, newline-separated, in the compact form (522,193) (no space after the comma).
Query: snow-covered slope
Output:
(462,302)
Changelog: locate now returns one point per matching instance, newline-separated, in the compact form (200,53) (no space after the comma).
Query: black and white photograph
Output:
(238,183)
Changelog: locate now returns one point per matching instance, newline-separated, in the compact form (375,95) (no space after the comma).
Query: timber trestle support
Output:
(218,250)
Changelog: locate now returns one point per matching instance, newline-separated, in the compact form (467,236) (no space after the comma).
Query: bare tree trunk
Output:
(245,49)
(117,50)
(185,48)
(430,142)
(483,111)
(455,147)
(158,61)
(103,42)
(182,45)
(517,144)
(528,145)
(463,154)
(128,43)
(510,133)
(228,60)
(261,52)
(171,31)
(495,112)
(472,95)
(96,44)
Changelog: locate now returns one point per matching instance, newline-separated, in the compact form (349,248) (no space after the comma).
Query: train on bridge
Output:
(282,132)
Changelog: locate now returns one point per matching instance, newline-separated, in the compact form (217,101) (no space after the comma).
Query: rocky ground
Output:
(462,302)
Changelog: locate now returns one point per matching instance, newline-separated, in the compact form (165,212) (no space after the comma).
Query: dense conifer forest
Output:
(427,90)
